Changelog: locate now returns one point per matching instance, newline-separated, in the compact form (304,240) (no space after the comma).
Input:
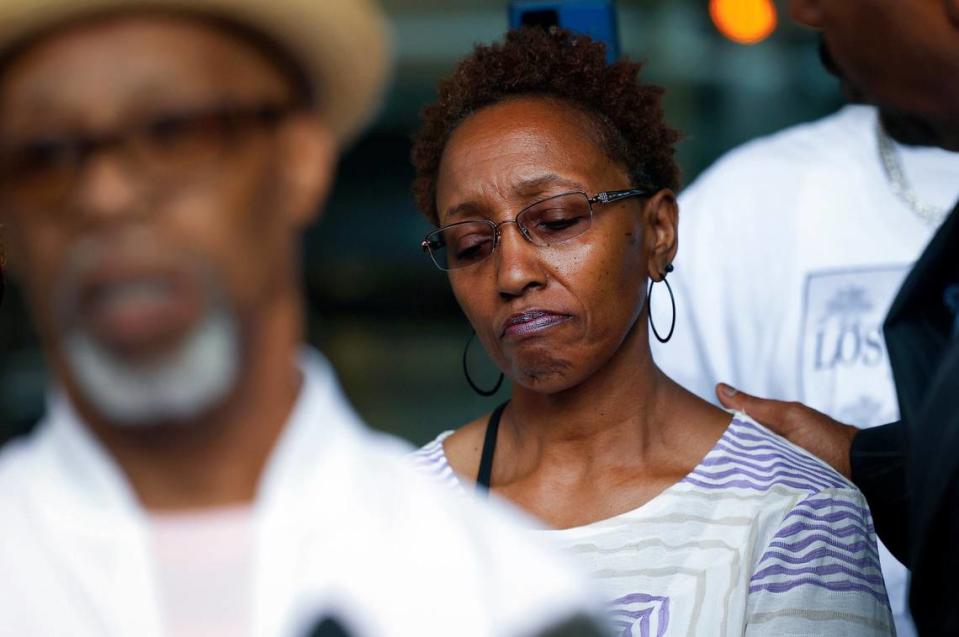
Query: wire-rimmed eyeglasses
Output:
(549,221)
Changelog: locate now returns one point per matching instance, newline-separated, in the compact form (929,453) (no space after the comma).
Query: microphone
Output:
(577,626)
(329,627)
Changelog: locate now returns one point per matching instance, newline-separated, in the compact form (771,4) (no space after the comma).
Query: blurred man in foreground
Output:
(846,205)
(198,471)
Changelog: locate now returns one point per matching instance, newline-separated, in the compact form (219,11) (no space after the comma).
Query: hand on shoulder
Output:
(814,431)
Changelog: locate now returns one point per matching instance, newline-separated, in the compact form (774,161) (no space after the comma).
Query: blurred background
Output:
(378,308)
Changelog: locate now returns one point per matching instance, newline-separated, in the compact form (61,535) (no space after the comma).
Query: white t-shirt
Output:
(791,250)
(760,538)
(341,526)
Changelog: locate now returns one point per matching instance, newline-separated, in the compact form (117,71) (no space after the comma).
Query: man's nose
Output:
(806,12)
(107,187)
(519,264)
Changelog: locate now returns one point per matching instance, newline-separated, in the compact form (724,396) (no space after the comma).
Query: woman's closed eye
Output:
(557,221)
(472,247)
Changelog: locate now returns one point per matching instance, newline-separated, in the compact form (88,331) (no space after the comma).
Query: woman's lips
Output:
(531,322)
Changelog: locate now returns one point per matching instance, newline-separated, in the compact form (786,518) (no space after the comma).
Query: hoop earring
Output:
(466,372)
(672,301)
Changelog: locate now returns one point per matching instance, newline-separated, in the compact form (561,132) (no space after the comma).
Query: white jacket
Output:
(341,522)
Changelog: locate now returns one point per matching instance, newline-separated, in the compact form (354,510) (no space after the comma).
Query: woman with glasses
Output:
(550,176)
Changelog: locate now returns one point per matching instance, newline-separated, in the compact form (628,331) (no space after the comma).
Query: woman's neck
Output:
(614,417)
(606,446)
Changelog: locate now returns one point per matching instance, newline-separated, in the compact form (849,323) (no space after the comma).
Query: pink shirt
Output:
(204,570)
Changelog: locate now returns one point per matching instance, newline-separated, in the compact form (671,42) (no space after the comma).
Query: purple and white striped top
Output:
(761,538)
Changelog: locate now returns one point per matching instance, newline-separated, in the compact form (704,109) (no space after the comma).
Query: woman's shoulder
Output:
(815,545)
(453,452)
(822,554)
(757,479)
(465,445)
(750,457)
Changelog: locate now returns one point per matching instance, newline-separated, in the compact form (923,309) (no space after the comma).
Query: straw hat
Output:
(342,44)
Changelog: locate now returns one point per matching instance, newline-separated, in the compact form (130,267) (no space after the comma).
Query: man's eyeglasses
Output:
(42,171)
(544,223)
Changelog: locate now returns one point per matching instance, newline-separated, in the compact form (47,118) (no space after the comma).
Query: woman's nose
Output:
(519,264)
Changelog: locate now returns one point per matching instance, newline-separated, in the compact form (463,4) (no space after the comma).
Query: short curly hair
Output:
(557,64)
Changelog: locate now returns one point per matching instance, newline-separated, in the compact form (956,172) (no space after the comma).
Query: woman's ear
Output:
(662,231)
(307,162)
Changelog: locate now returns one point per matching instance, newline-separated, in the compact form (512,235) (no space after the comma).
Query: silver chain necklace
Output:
(896,176)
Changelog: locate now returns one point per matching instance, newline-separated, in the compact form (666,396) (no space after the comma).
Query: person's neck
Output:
(218,460)
(613,418)
(915,130)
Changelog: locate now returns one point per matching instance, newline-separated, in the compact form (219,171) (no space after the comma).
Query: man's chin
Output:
(141,385)
(851,92)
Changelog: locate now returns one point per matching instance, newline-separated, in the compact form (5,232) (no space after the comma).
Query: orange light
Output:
(744,21)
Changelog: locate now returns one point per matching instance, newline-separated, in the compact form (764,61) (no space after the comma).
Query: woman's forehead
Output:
(537,119)
(519,145)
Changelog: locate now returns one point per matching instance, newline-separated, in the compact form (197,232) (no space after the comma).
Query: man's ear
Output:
(807,12)
(307,157)
(662,232)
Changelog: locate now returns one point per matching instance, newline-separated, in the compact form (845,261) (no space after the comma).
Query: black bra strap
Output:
(485,474)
